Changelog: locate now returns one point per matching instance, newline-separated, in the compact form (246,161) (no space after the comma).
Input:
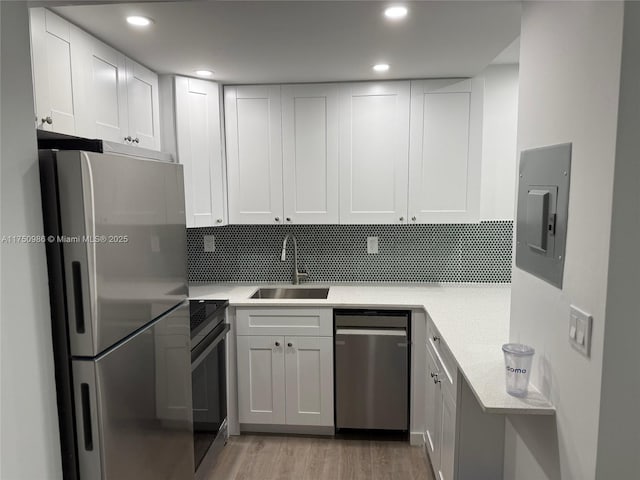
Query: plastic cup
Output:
(518,359)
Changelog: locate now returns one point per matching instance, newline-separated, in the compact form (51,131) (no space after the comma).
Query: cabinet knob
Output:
(289,344)
(402,219)
(137,140)
(436,380)
(277,344)
(436,338)
(413,219)
(433,374)
(219,220)
(288,219)
(48,120)
(127,138)
(277,219)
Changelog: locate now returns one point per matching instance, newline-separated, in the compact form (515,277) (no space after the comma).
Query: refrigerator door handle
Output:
(86,417)
(87,428)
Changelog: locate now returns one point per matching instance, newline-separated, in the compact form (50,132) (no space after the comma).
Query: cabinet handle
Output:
(433,374)
(127,138)
(436,380)
(289,344)
(413,219)
(288,219)
(137,140)
(277,344)
(436,338)
(219,220)
(48,120)
(277,219)
(402,219)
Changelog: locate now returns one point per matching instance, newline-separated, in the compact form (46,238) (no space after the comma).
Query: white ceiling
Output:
(306,41)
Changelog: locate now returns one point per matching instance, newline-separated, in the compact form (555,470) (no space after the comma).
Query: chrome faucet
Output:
(297,275)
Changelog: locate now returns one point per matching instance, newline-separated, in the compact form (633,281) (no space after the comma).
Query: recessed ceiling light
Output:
(381,67)
(396,12)
(139,21)
(204,73)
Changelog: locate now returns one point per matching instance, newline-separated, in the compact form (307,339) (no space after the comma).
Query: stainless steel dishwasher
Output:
(372,369)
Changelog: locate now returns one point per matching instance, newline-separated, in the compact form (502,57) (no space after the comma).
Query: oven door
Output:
(209,379)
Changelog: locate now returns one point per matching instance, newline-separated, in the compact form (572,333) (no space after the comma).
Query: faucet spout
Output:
(297,275)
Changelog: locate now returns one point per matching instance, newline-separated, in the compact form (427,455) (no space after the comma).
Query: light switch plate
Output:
(209,243)
(372,245)
(580,326)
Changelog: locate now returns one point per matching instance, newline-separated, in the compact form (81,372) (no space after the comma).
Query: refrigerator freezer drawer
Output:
(133,405)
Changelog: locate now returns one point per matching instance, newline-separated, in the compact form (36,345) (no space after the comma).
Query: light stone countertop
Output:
(473,320)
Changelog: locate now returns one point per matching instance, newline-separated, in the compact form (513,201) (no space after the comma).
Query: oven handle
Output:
(208,344)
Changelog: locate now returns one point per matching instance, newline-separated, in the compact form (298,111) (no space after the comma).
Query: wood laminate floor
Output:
(274,457)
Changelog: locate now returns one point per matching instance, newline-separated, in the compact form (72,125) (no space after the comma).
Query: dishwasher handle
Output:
(371,332)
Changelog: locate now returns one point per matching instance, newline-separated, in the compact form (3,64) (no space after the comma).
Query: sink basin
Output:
(308,293)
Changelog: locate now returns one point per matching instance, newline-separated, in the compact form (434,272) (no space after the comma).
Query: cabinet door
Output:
(200,151)
(374,152)
(254,154)
(143,106)
(261,380)
(53,76)
(433,409)
(447,458)
(102,105)
(432,392)
(445,150)
(310,153)
(309,374)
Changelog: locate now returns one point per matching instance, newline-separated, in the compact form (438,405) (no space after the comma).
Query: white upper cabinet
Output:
(310,153)
(374,152)
(142,103)
(254,154)
(102,110)
(199,149)
(84,87)
(53,76)
(445,150)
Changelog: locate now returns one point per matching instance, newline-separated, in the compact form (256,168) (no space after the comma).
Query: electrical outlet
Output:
(209,243)
(580,324)
(372,245)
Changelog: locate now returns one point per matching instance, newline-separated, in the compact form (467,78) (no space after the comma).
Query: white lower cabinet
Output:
(285,380)
(309,381)
(448,447)
(462,441)
(433,411)
(261,379)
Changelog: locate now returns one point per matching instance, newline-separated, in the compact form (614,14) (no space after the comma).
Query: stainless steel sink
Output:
(300,293)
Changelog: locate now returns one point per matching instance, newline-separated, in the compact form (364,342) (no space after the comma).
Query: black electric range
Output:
(208,377)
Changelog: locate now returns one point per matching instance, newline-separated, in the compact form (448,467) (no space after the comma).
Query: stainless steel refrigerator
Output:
(116,256)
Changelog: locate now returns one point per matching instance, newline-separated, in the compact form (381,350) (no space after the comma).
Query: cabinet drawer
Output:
(316,322)
(449,367)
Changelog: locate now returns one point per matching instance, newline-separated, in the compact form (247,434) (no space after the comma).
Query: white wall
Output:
(569,84)
(29,439)
(499,158)
(619,433)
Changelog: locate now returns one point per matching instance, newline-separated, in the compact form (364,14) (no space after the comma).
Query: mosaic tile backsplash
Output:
(477,253)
